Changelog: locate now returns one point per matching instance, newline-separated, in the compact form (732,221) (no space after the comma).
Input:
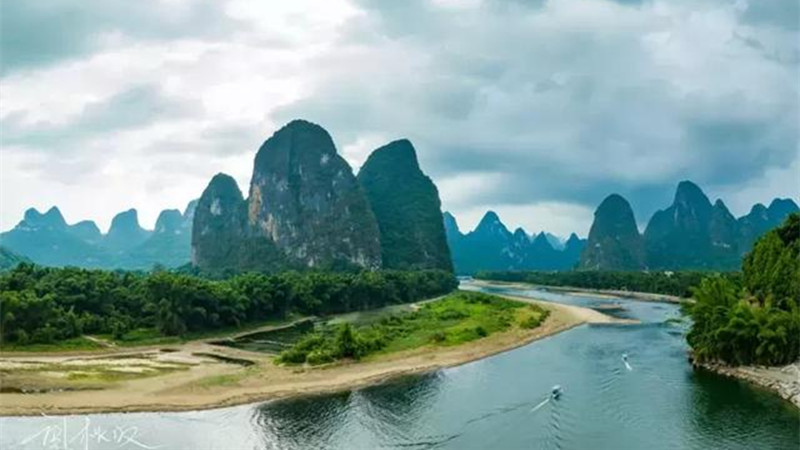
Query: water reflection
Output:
(729,413)
(656,401)
(388,414)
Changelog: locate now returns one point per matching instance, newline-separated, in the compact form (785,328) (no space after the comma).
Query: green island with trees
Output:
(55,308)
(458,318)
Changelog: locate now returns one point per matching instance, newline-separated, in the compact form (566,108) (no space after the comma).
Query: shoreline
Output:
(781,380)
(191,390)
(635,295)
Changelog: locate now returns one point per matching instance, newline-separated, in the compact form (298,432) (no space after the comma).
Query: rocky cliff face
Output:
(614,241)
(305,198)
(305,210)
(407,207)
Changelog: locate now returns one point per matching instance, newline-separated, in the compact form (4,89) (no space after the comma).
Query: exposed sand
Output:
(602,293)
(210,383)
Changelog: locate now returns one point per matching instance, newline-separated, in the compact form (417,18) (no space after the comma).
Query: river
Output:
(655,401)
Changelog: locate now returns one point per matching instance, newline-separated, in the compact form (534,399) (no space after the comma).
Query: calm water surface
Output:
(499,402)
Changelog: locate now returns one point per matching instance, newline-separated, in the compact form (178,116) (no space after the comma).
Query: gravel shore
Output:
(783,380)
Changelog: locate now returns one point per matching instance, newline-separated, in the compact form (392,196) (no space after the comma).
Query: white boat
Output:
(556,392)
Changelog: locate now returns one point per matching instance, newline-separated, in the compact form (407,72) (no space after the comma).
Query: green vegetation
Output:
(47,305)
(406,204)
(458,318)
(668,283)
(756,320)
(614,241)
(79,343)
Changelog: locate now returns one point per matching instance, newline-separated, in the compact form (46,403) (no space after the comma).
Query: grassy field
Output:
(453,320)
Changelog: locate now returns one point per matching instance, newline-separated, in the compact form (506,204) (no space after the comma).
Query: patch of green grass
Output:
(456,319)
(73,344)
(232,379)
(110,374)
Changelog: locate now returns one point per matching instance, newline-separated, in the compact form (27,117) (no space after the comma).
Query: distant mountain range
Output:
(491,246)
(692,233)
(47,239)
(307,209)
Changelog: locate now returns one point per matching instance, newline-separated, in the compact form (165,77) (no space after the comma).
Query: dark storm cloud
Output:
(524,102)
(568,104)
(781,13)
(37,33)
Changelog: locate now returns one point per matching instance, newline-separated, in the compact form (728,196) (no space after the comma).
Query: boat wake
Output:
(625,360)
(541,404)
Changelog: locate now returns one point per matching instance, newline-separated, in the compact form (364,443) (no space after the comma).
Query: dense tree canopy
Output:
(41,305)
(668,283)
(757,320)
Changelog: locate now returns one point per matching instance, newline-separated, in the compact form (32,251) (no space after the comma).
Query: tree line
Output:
(678,283)
(755,319)
(44,305)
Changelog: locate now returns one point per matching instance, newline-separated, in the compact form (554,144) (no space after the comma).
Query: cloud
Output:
(39,33)
(567,101)
(133,108)
(537,109)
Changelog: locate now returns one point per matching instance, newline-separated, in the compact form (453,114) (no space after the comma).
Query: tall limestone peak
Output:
(450,224)
(521,236)
(188,212)
(125,231)
(722,226)
(689,195)
(86,230)
(218,229)
(52,219)
(169,222)
(691,233)
(780,208)
(572,241)
(491,226)
(572,250)
(542,242)
(407,208)
(760,219)
(614,241)
(305,199)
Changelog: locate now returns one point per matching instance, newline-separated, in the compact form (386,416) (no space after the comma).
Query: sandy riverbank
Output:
(205,382)
(785,380)
(602,293)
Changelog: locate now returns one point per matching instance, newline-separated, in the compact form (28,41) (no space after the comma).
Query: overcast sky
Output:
(535,109)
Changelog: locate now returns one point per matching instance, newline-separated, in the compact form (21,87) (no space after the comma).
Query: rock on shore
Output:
(785,380)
